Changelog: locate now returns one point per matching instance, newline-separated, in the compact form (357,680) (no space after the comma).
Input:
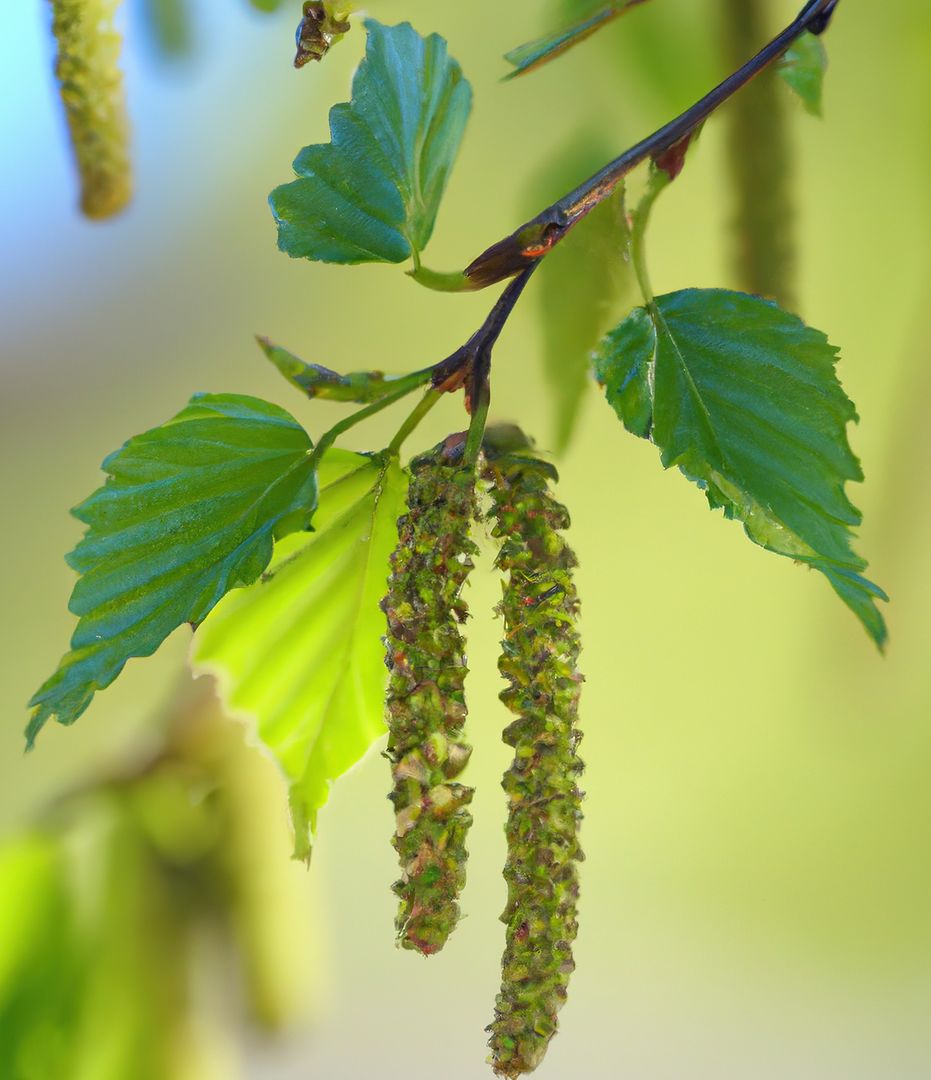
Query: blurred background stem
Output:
(760,155)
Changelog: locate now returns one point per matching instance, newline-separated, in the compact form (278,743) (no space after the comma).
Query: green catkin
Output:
(91,87)
(539,659)
(425,703)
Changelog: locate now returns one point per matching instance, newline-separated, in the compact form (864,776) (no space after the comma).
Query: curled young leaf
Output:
(539,660)
(316,381)
(426,702)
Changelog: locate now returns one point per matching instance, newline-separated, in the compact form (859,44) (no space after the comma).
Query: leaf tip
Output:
(35,725)
(303,825)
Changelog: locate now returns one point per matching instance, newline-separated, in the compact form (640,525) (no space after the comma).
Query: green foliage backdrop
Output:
(757,777)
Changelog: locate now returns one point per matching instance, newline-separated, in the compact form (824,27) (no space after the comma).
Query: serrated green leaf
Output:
(190,510)
(372,193)
(536,53)
(300,653)
(361,387)
(803,68)
(581,282)
(743,398)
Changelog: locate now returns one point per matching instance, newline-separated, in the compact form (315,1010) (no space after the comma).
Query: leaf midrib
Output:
(658,317)
(377,492)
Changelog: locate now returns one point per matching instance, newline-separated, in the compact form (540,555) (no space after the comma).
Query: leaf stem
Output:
(426,403)
(450,281)
(639,219)
(328,438)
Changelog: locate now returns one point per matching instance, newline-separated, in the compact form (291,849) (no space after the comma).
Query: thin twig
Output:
(472,361)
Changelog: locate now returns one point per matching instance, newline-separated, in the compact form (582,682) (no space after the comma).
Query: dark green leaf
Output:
(361,387)
(300,653)
(536,53)
(372,193)
(190,510)
(743,398)
(803,68)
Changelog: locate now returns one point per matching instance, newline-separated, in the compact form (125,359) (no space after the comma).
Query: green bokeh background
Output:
(757,893)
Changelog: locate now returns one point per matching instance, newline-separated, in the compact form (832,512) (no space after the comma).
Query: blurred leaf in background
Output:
(128,905)
(582,282)
(167,27)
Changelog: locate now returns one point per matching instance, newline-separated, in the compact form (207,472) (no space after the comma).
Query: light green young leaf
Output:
(300,653)
(803,68)
(534,54)
(743,398)
(190,510)
(372,193)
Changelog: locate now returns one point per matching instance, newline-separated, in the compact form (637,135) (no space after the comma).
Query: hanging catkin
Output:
(91,87)
(426,704)
(539,658)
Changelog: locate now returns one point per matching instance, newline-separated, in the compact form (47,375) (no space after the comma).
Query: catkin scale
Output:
(91,88)
(425,701)
(539,659)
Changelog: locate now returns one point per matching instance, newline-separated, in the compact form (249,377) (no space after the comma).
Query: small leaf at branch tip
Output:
(534,54)
(373,192)
(803,68)
(744,399)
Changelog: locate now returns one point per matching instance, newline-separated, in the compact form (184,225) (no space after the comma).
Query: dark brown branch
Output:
(519,254)
(472,361)
(531,242)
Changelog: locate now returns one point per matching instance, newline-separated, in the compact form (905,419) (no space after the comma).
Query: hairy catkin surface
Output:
(539,658)
(91,87)
(426,704)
